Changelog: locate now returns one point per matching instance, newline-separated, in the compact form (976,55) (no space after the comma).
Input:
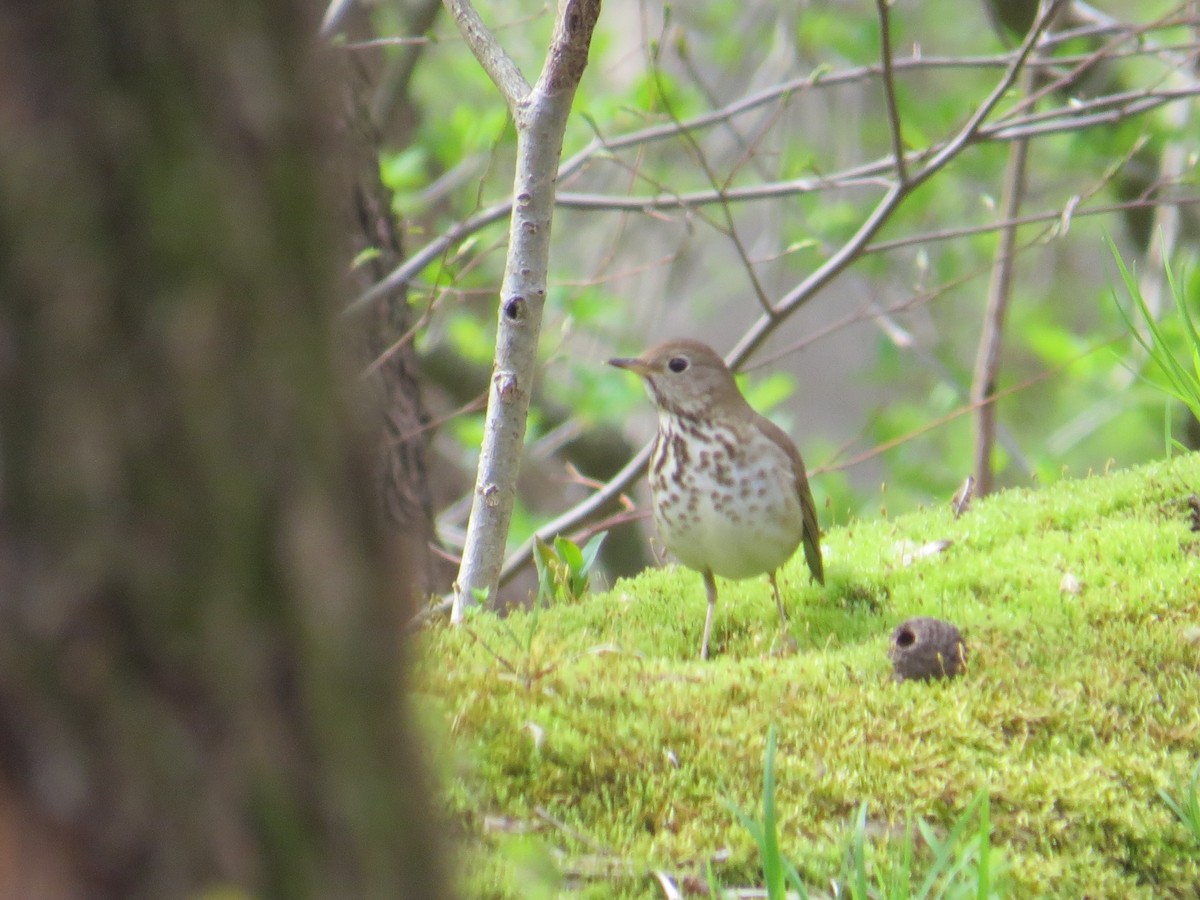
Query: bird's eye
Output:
(677,363)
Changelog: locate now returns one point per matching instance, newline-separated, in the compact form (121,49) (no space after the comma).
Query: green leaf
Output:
(1187,806)
(568,551)
(859,851)
(591,549)
(1183,382)
(772,867)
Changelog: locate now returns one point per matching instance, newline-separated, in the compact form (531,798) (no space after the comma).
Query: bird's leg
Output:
(783,617)
(710,586)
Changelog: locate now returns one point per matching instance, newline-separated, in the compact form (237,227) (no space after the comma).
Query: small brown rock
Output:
(923,648)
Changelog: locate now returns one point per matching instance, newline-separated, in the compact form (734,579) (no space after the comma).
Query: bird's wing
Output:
(808,508)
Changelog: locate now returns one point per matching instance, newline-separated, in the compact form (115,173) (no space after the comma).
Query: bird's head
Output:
(685,378)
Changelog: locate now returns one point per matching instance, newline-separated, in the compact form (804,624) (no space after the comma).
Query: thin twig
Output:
(966,409)
(889,88)
(409,269)
(991,336)
(498,65)
(730,229)
(1000,289)
(474,405)
(949,234)
(904,341)
(396,79)
(744,144)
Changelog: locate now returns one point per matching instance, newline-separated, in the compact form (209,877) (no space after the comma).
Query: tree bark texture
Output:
(389,356)
(200,680)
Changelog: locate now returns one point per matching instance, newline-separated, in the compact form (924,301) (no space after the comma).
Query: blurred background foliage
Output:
(872,377)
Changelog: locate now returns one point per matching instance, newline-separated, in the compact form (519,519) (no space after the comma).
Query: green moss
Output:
(593,741)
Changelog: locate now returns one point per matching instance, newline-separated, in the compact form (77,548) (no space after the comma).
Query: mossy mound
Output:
(587,746)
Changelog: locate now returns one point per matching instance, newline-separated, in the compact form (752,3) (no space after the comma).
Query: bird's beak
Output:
(635,365)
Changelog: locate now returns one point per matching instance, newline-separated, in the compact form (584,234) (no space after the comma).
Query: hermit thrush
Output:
(731,497)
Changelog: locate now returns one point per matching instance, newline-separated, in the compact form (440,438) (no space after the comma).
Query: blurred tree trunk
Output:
(200,683)
(389,352)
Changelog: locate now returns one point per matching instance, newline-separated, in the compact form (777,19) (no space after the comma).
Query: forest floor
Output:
(586,750)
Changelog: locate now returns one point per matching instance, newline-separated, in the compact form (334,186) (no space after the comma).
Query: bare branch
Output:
(889,88)
(1052,215)
(892,200)
(498,64)
(1090,113)
(975,123)
(730,228)
(541,121)
(991,336)
(398,70)
(569,47)
(1102,110)
(333,16)
(412,266)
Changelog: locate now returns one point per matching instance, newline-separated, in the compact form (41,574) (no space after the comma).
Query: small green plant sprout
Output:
(1186,804)
(564,570)
(778,871)
(1182,379)
(963,863)
(481,603)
